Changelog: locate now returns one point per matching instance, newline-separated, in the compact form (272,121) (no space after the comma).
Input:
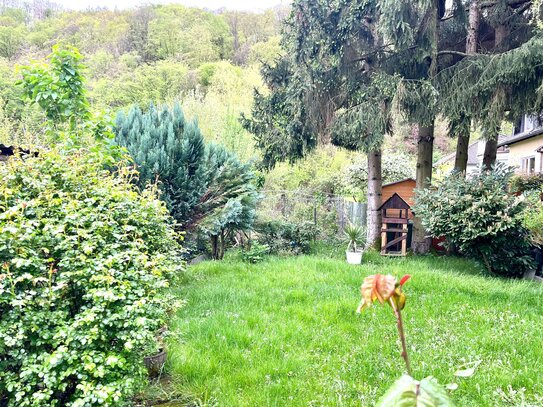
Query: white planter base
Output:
(354,257)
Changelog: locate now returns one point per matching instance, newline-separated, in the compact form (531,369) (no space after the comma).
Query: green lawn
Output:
(285,333)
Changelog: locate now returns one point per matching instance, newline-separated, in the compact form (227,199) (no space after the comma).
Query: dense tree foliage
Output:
(344,67)
(169,149)
(496,71)
(150,54)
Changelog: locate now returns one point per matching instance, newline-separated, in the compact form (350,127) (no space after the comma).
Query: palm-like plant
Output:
(355,235)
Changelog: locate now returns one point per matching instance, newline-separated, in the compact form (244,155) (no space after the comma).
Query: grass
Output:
(285,333)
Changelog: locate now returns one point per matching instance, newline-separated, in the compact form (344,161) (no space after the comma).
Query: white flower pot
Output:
(354,257)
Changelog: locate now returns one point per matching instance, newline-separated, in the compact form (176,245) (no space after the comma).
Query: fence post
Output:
(341,214)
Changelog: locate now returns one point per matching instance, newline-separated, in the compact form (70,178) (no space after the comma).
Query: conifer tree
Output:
(168,149)
(207,189)
(348,62)
(498,75)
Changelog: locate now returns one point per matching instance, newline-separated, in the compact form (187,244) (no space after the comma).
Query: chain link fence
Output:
(330,214)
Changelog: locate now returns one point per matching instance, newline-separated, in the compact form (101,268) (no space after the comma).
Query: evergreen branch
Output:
(510,3)
(452,52)
(369,54)
(522,5)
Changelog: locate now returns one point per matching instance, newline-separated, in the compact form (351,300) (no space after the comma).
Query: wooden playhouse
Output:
(396,230)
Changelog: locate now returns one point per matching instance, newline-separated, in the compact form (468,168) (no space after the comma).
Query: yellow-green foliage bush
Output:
(85,260)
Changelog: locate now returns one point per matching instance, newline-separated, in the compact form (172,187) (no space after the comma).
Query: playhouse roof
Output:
(399,182)
(394,202)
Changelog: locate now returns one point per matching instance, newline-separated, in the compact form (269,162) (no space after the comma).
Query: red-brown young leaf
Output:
(404,279)
(376,287)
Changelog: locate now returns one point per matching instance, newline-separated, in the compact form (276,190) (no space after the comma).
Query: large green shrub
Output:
(480,218)
(168,148)
(283,237)
(85,260)
(526,182)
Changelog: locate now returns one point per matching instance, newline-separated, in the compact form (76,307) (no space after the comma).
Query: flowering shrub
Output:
(84,261)
(480,218)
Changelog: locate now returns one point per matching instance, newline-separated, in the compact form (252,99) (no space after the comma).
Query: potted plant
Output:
(356,238)
(156,360)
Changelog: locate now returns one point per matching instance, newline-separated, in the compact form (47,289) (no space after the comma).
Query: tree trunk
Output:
(473,29)
(222,244)
(214,247)
(491,150)
(491,146)
(462,147)
(375,187)
(425,146)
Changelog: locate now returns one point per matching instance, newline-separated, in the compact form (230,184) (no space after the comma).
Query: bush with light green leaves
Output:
(85,260)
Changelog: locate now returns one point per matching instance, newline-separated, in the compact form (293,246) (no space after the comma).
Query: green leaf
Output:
(407,392)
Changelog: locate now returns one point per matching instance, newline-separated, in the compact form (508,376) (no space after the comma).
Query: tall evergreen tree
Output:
(325,90)
(348,62)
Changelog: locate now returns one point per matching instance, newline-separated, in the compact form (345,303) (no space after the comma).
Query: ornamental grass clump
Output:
(85,260)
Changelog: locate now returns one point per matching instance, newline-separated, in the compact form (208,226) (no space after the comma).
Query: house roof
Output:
(472,155)
(520,137)
(399,182)
(473,152)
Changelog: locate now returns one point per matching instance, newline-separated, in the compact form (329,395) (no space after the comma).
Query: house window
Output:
(527,165)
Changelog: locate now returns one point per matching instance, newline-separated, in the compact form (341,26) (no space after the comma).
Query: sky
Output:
(252,5)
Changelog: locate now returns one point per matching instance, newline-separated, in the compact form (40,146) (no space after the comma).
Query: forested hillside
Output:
(209,61)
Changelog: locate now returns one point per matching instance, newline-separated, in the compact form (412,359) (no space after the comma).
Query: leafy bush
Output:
(256,253)
(480,218)
(85,261)
(58,88)
(286,237)
(526,182)
(532,217)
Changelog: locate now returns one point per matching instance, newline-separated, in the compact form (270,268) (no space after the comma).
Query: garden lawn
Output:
(285,333)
